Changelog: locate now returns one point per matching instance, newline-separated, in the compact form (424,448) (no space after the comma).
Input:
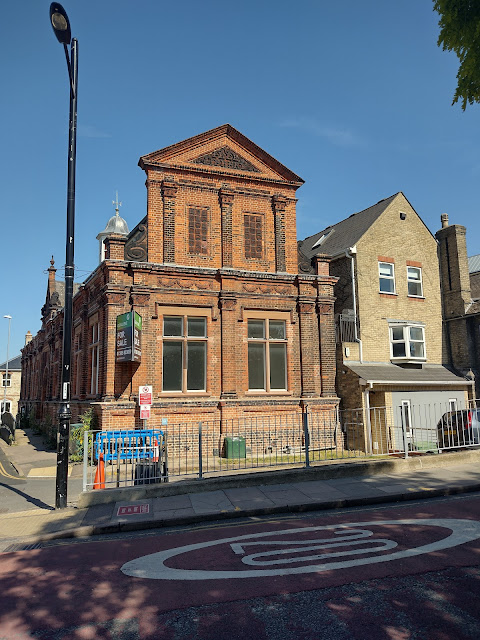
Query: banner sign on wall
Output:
(129,337)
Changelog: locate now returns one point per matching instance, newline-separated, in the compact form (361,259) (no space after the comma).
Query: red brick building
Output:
(230,325)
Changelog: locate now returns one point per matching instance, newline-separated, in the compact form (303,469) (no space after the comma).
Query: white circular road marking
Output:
(354,534)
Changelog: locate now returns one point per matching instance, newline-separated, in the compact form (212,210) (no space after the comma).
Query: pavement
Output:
(330,486)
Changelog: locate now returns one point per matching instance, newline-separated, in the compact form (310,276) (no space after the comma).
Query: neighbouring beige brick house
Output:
(460,277)
(11,382)
(390,346)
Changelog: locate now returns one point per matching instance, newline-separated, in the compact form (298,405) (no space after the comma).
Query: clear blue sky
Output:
(355,97)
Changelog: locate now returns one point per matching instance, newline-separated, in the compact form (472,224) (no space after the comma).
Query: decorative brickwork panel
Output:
(279,206)
(136,247)
(253,233)
(169,191)
(226,157)
(198,230)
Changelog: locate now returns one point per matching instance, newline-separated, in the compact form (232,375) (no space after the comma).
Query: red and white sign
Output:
(133,509)
(145,395)
(145,412)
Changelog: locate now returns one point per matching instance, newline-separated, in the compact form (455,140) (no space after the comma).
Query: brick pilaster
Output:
(279,204)
(226,205)
(169,193)
(326,323)
(229,340)
(114,306)
(307,318)
(115,246)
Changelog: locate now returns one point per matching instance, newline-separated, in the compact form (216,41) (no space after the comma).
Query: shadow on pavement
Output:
(38,503)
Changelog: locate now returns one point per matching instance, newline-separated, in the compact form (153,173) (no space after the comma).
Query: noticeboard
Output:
(129,337)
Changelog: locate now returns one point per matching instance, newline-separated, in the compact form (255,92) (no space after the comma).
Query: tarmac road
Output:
(20,493)
(397,572)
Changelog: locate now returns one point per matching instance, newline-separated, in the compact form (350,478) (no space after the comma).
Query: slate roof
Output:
(60,289)
(15,364)
(345,233)
(387,373)
(474,264)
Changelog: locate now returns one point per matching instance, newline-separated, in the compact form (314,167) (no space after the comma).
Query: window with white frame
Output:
(5,405)
(7,380)
(94,348)
(414,281)
(407,342)
(184,353)
(267,355)
(386,275)
(452,404)
(406,408)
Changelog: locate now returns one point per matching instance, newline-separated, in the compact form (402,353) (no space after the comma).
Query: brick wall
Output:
(13,391)
(406,242)
(220,284)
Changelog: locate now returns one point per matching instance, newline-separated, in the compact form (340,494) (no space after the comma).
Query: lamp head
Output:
(60,23)
(9,317)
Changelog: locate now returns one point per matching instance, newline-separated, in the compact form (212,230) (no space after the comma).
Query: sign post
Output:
(145,394)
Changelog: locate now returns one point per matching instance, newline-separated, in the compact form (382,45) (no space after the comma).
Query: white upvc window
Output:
(386,276)
(414,282)
(452,404)
(406,408)
(407,342)
(7,380)
(5,405)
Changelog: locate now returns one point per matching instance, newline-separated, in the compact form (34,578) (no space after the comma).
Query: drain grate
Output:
(23,547)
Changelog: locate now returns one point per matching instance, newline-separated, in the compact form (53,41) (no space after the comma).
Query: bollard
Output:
(200,452)
(306,436)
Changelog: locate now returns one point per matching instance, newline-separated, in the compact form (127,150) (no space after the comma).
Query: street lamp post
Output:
(9,318)
(61,27)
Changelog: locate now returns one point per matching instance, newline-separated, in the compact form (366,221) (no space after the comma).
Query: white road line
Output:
(153,565)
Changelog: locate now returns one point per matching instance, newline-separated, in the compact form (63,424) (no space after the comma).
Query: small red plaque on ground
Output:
(133,509)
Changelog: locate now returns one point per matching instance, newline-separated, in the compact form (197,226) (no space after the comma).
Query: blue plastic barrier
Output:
(134,444)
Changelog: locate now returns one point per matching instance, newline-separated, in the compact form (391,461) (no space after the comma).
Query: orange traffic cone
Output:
(156,451)
(100,474)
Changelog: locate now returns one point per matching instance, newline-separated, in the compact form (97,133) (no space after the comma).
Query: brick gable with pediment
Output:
(229,181)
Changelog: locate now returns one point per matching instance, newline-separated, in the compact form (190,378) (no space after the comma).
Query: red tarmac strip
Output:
(65,586)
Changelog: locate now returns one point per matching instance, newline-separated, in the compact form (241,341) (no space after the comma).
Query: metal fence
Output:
(203,449)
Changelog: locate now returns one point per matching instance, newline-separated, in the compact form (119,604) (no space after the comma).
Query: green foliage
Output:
(89,419)
(89,422)
(460,32)
(28,421)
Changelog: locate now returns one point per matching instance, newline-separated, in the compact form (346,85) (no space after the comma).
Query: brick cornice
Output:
(279,203)
(226,197)
(305,305)
(169,188)
(114,297)
(139,298)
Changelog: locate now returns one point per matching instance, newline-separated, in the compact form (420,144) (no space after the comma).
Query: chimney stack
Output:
(452,253)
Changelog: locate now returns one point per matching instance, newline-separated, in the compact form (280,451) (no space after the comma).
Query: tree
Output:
(460,32)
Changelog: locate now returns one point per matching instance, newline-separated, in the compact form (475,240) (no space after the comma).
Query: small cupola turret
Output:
(116,225)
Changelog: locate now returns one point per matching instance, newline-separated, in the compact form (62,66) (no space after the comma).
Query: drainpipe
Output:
(368,424)
(350,253)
